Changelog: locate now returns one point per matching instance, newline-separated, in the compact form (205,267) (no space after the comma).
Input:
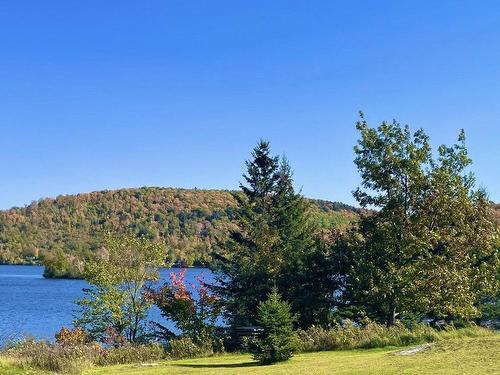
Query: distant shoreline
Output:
(65,277)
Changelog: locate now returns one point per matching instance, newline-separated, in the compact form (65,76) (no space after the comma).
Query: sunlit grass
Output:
(458,354)
(464,356)
(7,367)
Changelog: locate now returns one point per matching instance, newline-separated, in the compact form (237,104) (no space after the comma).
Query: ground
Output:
(466,356)
(6,368)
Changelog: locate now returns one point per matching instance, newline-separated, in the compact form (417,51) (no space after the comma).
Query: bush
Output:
(75,359)
(57,358)
(278,340)
(75,337)
(193,308)
(372,335)
(130,354)
(185,347)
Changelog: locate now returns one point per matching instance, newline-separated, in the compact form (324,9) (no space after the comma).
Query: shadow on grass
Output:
(218,365)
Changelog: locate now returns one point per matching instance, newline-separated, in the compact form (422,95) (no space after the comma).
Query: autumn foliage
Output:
(191,306)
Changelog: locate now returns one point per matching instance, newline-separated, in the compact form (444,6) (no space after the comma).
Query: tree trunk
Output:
(392,316)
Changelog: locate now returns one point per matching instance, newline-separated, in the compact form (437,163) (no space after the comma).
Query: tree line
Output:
(427,250)
(62,232)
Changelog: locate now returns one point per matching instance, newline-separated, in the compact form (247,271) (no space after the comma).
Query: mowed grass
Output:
(455,356)
(466,356)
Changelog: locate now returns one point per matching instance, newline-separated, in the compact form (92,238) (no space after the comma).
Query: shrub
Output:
(75,359)
(130,354)
(56,358)
(368,334)
(278,340)
(75,337)
(185,347)
(193,308)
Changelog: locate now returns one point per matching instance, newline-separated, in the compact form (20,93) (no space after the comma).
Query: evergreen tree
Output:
(278,340)
(262,175)
(275,244)
(305,276)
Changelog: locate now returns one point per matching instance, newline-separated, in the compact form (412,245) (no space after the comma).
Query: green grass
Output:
(470,356)
(7,368)
(465,356)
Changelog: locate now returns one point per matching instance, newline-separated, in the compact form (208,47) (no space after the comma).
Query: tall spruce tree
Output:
(429,249)
(305,277)
(274,245)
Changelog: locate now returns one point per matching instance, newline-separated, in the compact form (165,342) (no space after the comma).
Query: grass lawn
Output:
(6,368)
(465,356)
(458,356)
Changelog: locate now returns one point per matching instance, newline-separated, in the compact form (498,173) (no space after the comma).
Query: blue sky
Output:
(108,94)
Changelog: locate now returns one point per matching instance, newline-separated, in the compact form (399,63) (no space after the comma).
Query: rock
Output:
(414,350)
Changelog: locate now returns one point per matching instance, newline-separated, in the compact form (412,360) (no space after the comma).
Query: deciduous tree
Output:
(115,301)
(429,248)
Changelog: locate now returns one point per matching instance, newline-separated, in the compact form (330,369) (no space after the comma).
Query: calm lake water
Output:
(32,305)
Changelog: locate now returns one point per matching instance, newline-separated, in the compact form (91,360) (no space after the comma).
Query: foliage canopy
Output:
(431,247)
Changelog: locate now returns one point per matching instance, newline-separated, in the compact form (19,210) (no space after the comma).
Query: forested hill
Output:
(496,207)
(188,220)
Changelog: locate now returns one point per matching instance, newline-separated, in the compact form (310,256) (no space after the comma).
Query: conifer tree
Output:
(275,244)
(278,341)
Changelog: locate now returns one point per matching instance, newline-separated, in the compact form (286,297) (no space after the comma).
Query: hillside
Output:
(496,207)
(189,221)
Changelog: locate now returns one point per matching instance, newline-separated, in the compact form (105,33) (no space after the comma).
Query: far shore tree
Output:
(114,308)
(429,249)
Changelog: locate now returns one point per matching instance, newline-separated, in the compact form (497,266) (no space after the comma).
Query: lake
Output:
(35,306)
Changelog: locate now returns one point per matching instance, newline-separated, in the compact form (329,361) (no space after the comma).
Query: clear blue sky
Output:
(108,94)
